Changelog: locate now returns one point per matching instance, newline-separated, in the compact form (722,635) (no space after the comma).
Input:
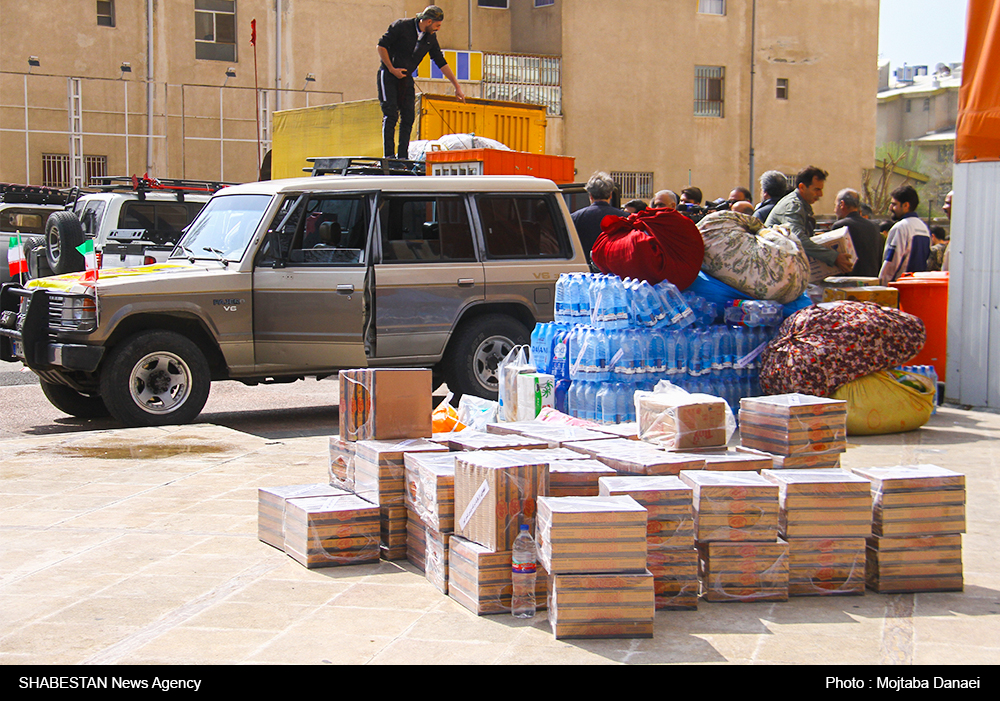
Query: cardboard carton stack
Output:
(271,503)
(681,422)
(430,512)
(341,472)
(732,459)
(480,579)
(384,413)
(577,478)
(740,557)
(636,457)
(320,531)
(799,430)
(385,404)
(825,516)
(918,516)
(671,556)
(478,440)
(594,549)
(380,477)
(557,435)
(495,492)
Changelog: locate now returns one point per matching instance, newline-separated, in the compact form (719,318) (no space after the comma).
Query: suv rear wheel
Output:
(470,365)
(63,233)
(69,401)
(155,378)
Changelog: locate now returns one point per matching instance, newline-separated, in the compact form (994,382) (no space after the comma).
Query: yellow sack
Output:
(889,401)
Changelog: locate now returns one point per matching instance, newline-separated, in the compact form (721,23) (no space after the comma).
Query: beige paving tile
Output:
(292,648)
(199,646)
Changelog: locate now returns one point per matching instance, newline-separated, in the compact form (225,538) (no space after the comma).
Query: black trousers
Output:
(397,98)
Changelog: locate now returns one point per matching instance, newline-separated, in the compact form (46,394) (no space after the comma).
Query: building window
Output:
(524,78)
(544,3)
(215,30)
(502,4)
(927,104)
(781,90)
(709,90)
(909,104)
(106,13)
(712,7)
(56,169)
(633,186)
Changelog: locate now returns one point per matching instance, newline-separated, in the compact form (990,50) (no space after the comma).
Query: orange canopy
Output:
(978,131)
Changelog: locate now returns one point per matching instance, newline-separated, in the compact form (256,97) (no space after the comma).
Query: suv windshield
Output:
(224,227)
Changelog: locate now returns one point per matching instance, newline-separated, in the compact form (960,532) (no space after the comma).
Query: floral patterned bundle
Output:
(823,347)
(760,262)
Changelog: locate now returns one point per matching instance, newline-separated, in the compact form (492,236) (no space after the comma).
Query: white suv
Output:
(133,221)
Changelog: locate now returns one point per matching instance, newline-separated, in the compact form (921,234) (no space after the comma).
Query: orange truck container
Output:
(488,161)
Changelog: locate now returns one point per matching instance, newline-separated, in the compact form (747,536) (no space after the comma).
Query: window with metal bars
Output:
(535,80)
(56,170)
(709,91)
(633,185)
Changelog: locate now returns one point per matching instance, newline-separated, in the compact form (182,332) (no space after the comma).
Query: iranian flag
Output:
(16,261)
(89,259)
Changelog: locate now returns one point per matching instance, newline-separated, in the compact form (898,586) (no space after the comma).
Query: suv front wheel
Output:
(155,378)
(470,365)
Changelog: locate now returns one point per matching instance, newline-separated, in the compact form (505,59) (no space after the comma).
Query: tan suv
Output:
(276,281)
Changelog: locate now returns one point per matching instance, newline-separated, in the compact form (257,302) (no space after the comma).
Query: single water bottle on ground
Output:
(522,602)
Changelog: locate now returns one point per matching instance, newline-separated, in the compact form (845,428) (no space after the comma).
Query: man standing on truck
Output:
(401,49)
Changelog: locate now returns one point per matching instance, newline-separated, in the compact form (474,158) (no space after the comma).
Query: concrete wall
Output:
(628,82)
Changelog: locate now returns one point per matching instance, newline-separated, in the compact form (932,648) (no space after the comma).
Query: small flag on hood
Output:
(89,259)
(16,261)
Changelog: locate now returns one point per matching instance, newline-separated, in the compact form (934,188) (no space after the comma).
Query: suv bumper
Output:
(25,335)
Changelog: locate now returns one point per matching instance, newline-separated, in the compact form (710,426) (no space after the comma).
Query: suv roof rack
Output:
(32,194)
(144,184)
(361,165)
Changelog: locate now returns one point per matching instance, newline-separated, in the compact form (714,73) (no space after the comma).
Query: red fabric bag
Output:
(651,245)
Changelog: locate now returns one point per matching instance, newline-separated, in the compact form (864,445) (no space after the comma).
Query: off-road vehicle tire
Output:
(69,401)
(470,363)
(155,378)
(63,233)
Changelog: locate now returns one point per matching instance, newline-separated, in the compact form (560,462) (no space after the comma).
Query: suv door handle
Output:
(466,282)
(345,289)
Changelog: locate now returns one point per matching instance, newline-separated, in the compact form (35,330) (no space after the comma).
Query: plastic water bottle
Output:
(522,601)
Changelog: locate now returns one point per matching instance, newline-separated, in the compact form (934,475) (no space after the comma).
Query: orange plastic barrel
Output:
(925,296)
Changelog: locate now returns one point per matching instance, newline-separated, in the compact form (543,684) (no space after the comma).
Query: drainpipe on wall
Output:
(150,89)
(277,55)
(753,71)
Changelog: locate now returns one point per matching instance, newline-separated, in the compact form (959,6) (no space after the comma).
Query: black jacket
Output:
(405,50)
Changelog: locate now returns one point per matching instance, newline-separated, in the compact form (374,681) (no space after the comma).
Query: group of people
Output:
(906,246)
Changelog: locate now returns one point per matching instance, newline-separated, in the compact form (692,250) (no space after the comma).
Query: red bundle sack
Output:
(651,245)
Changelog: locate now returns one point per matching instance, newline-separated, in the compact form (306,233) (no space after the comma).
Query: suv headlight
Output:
(75,313)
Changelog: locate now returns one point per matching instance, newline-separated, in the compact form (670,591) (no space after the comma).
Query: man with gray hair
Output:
(773,186)
(665,199)
(867,240)
(599,188)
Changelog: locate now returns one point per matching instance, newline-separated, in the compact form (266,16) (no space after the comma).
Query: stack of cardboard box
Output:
(594,549)
(495,493)
(681,422)
(671,556)
(741,557)
(918,516)
(430,512)
(319,525)
(637,457)
(825,516)
(798,430)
